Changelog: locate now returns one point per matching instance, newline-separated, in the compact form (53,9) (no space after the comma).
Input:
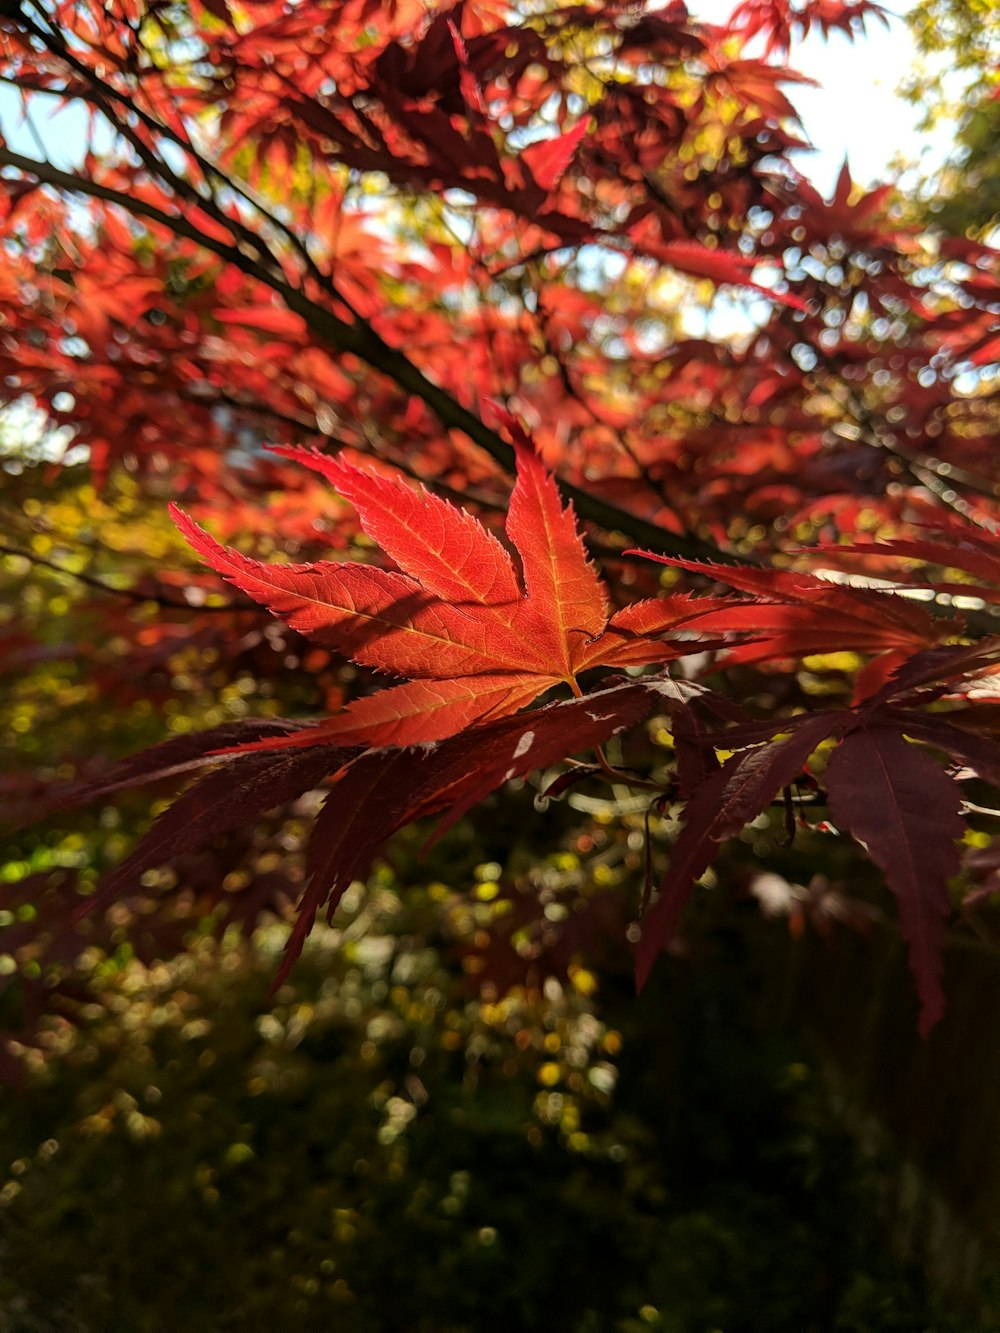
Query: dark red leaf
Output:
(905,809)
(743,787)
(243,788)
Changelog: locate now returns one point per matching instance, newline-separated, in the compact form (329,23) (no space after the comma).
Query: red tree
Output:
(456,245)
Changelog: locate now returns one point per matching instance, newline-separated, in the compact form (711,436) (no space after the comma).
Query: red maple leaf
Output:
(793,614)
(475,638)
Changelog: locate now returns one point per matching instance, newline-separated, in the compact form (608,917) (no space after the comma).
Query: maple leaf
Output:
(205,317)
(380,791)
(793,615)
(949,547)
(170,759)
(375,791)
(457,621)
(897,801)
(887,792)
(549,159)
(721,266)
(948,732)
(225,800)
(719,806)
(778,20)
(934,671)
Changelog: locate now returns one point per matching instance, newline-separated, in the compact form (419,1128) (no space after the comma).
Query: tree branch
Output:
(130,594)
(360,339)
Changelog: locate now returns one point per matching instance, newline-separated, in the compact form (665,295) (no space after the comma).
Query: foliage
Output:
(374,1149)
(957,79)
(453,245)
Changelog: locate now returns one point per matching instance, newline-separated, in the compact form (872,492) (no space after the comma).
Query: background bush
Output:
(375,1150)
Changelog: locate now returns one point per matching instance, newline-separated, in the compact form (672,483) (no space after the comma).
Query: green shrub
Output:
(376,1150)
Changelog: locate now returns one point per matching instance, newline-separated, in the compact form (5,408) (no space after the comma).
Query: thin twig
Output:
(130,594)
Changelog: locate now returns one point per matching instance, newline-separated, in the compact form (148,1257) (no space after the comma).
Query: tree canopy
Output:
(507,352)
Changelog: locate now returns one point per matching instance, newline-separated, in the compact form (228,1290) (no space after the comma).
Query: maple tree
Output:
(425,250)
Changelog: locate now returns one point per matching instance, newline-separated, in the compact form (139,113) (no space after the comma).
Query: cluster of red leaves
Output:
(781,24)
(479,643)
(411,210)
(883,789)
(153,347)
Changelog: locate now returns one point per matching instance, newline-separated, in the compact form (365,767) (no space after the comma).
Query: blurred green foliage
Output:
(958,78)
(376,1149)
